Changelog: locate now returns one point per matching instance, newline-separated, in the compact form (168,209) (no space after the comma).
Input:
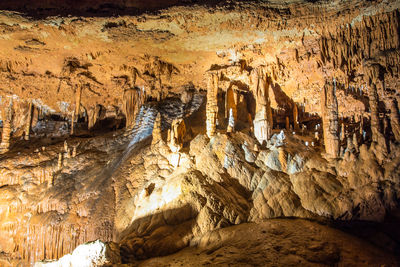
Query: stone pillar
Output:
(295,117)
(73,123)
(395,119)
(263,117)
(157,130)
(287,124)
(60,161)
(342,132)
(329,108)
(373,105)
(28,121)
(212,105)
(7,128)
(78,96)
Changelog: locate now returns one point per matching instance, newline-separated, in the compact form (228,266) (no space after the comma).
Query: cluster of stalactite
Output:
(375,37)
(39,241)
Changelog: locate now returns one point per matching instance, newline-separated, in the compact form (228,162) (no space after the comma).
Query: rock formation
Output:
(7,127)
(176,135)
(395,119)
(329,107)
(157,130)
(212,104)
(94,84)
(133,99)
(263,114)
(28,124)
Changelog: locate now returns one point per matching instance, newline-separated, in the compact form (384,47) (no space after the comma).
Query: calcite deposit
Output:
(199,133)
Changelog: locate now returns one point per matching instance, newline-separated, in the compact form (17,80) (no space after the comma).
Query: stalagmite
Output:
(330,119)
(60,161)
(157,130)
(28,122)
(355,142)
(342,132)
(212,104)
(65,146)
(231,122)
(395,119)
(7,128)
(350,146)
(263,118)
(296,117)
(176,135)
(74,152)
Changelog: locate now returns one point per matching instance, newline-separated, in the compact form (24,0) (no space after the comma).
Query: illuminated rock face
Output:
(84,155)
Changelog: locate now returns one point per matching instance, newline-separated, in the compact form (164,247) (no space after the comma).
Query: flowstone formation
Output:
(228,133)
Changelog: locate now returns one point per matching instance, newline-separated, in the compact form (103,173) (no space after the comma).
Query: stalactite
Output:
(94,114)
(212,105)
(7,128)
(78,95)
(133,99)
(73,123)
(28,121)
(330,119)
(263,117)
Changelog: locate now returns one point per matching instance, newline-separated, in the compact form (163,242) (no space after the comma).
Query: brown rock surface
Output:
(158,132)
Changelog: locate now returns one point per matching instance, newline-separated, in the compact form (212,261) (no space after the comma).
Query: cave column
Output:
(75,114)
(263,117)
(373,105)
(7,128)
(212,104)
(28,121)
(329,108)
(395,119)
(296,117)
